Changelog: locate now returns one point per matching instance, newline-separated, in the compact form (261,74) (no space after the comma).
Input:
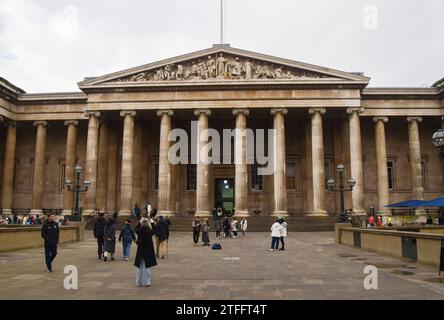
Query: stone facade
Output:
(117,130)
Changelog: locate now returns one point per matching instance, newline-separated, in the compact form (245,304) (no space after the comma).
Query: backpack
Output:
(216,246)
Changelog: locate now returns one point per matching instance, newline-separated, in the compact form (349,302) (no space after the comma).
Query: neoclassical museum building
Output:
(116,128)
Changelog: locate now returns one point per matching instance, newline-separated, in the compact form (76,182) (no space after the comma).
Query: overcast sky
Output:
(50,45)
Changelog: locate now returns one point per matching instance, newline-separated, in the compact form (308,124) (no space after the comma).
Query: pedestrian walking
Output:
(127,236)
(99,232)
(109,245)
(218,228)
(162,233)
(234,227)
(50,233)
(244,226)
(206,232)
(227,226)
(196,230)
(283,233)
(275,235)
(145,256)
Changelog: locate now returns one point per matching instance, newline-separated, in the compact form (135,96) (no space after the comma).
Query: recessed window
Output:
(291,176)
(391,174)
(156,176)
(256,180)
(191,177)
(424,174)
(62,173)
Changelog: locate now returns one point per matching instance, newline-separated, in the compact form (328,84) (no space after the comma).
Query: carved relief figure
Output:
(248,69)
(179,72)
(211,65)
(221,67)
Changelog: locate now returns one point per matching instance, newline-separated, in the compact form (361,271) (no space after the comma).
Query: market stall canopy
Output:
(438,202)
(408,204)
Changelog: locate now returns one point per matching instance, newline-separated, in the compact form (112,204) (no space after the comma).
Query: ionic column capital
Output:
(313,111)
(239,111)
(274,111)
(67,123)
(412,119)
(207,112)
(89,114)
(131,113)
(40,123)
(10,123)
(383,119)
(169,113)
(350,111)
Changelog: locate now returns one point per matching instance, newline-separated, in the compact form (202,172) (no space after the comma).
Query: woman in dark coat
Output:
(145,256)
(110,239)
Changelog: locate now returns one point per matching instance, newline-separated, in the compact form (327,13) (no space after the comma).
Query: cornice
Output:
(393,93)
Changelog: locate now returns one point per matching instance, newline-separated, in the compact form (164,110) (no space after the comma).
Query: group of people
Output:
(27,220)
(278,233)
(145,230)
(226,225)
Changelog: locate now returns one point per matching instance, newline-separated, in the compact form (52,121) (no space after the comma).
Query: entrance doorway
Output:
(224,194)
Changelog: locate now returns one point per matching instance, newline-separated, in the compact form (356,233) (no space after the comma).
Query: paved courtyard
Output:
(312,267)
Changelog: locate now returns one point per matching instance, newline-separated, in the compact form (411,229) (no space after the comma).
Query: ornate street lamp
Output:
(331,187)
(438,141)
(76,188)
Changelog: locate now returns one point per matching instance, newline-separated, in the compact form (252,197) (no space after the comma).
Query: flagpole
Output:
(221,21)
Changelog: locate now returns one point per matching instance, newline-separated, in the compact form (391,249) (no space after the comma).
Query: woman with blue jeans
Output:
(128,236)
(145,256)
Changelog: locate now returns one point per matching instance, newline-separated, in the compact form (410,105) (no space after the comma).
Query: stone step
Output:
(255,224)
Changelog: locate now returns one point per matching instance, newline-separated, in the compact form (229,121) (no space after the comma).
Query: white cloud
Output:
(51,45)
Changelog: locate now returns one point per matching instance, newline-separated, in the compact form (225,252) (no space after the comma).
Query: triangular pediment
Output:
(223,64)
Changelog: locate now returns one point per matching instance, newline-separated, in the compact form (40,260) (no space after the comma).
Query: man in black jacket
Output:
(50,232)
(99,232)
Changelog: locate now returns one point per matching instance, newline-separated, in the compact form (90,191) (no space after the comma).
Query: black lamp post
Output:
(331,187)
(76,188)
(438,141)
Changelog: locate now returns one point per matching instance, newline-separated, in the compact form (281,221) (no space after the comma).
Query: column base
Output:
(165,213)
(202,214)
(36,212)
(88,212)
(420,212)
(7,211)
(384,213)
(124,213)
(318,213)
(241,214)
(280,213)
(66,212)
(359,212)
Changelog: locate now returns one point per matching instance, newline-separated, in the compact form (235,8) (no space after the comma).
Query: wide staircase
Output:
(263,224)
(255,223)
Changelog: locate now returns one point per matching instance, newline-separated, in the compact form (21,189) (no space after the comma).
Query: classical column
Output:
(241,166)
(279,182)
(70,163)
(381,165)
(92,144)
(356,169)
(126,186)
(8,168)
(164,190)
(112,169)
(203,166)
(38,186)
(415,160)
(102,167)
(317,160)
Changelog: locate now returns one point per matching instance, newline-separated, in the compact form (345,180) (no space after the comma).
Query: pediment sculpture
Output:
(221,67)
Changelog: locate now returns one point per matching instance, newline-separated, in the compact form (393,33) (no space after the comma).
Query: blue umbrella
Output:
(408,204)
(438,202)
